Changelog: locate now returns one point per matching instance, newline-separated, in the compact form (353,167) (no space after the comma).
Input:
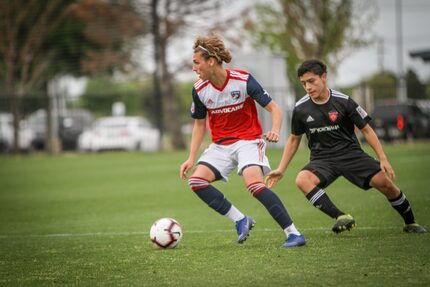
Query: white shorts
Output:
(224,158)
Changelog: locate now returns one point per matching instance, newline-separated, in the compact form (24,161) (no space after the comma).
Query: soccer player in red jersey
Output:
(226,99)
(328,119)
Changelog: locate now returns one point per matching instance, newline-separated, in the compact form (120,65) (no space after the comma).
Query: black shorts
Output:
(355,165)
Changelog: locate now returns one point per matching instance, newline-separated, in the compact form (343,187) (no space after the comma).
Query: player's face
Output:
(201,66)
(314,85)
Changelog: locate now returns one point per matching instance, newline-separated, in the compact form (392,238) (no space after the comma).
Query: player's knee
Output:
(306,180)
(381,182)
(197,183)
(388,188)
(301,181)
(387,184)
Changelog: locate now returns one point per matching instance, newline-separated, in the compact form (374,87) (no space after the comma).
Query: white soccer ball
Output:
(166,233)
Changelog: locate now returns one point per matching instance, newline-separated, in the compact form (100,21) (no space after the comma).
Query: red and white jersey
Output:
(231,108)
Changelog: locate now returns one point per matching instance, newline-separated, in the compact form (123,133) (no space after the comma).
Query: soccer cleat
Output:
(294,240)
(414,228)
(343,222)
(243,227)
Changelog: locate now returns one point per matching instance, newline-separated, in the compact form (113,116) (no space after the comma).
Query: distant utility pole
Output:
(401,81)
(380,48)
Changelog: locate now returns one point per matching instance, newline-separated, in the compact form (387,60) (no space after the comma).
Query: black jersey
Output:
(329,127)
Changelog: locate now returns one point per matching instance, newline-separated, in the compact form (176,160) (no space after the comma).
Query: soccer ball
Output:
(166,233)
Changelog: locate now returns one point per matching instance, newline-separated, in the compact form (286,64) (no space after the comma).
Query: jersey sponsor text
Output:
(226,109)
(324,129)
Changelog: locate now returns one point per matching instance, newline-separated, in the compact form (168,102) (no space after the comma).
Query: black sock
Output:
(214,198)
(275,207)
(320,200)
(401,204)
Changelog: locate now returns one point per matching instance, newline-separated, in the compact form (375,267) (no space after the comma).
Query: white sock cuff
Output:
(291,230)
(234,214)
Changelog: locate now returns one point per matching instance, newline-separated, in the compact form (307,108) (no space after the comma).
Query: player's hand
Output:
(185,167)
(386,167)
(272,136)
(273,177)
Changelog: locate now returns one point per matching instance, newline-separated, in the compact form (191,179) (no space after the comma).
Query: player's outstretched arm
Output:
(290,149)
(273,177)
(197,136)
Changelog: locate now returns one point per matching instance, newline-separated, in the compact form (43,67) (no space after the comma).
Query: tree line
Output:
(44,40)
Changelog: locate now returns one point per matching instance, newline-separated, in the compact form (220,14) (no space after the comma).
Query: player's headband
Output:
(203,48)
(211,55)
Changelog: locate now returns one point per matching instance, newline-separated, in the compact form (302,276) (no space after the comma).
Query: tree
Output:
(383,85)
(43,39)
(306,29)
(415,89)
(109,30)
(101,92)
(170,19)
(427,85)
(25,25)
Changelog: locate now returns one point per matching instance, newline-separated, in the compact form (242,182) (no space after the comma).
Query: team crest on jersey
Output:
(235,94)
(332,116)
(193,108)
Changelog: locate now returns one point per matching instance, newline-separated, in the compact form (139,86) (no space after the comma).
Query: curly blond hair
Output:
(212,46)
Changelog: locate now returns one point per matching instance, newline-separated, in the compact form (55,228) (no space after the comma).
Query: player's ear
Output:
(211,61)
(324,77)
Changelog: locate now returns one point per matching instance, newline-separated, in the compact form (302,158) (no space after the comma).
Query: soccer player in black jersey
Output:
(328,118)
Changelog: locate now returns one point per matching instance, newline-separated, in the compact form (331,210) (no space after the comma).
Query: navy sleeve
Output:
(357,114)
(198,109)
(254,90)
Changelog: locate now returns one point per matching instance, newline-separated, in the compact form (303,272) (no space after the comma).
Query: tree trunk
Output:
(10,92)
(172,105)
(166,99)
(158,103)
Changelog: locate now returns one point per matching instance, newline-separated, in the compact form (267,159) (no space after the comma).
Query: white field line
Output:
(131,233)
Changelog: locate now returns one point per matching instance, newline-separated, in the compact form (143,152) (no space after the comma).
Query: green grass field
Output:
(84,219)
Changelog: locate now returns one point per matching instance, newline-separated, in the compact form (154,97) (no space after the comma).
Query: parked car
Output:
(37,122)
(393,120)
(120,133)
(71,123)
(424,106)
(25,134)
